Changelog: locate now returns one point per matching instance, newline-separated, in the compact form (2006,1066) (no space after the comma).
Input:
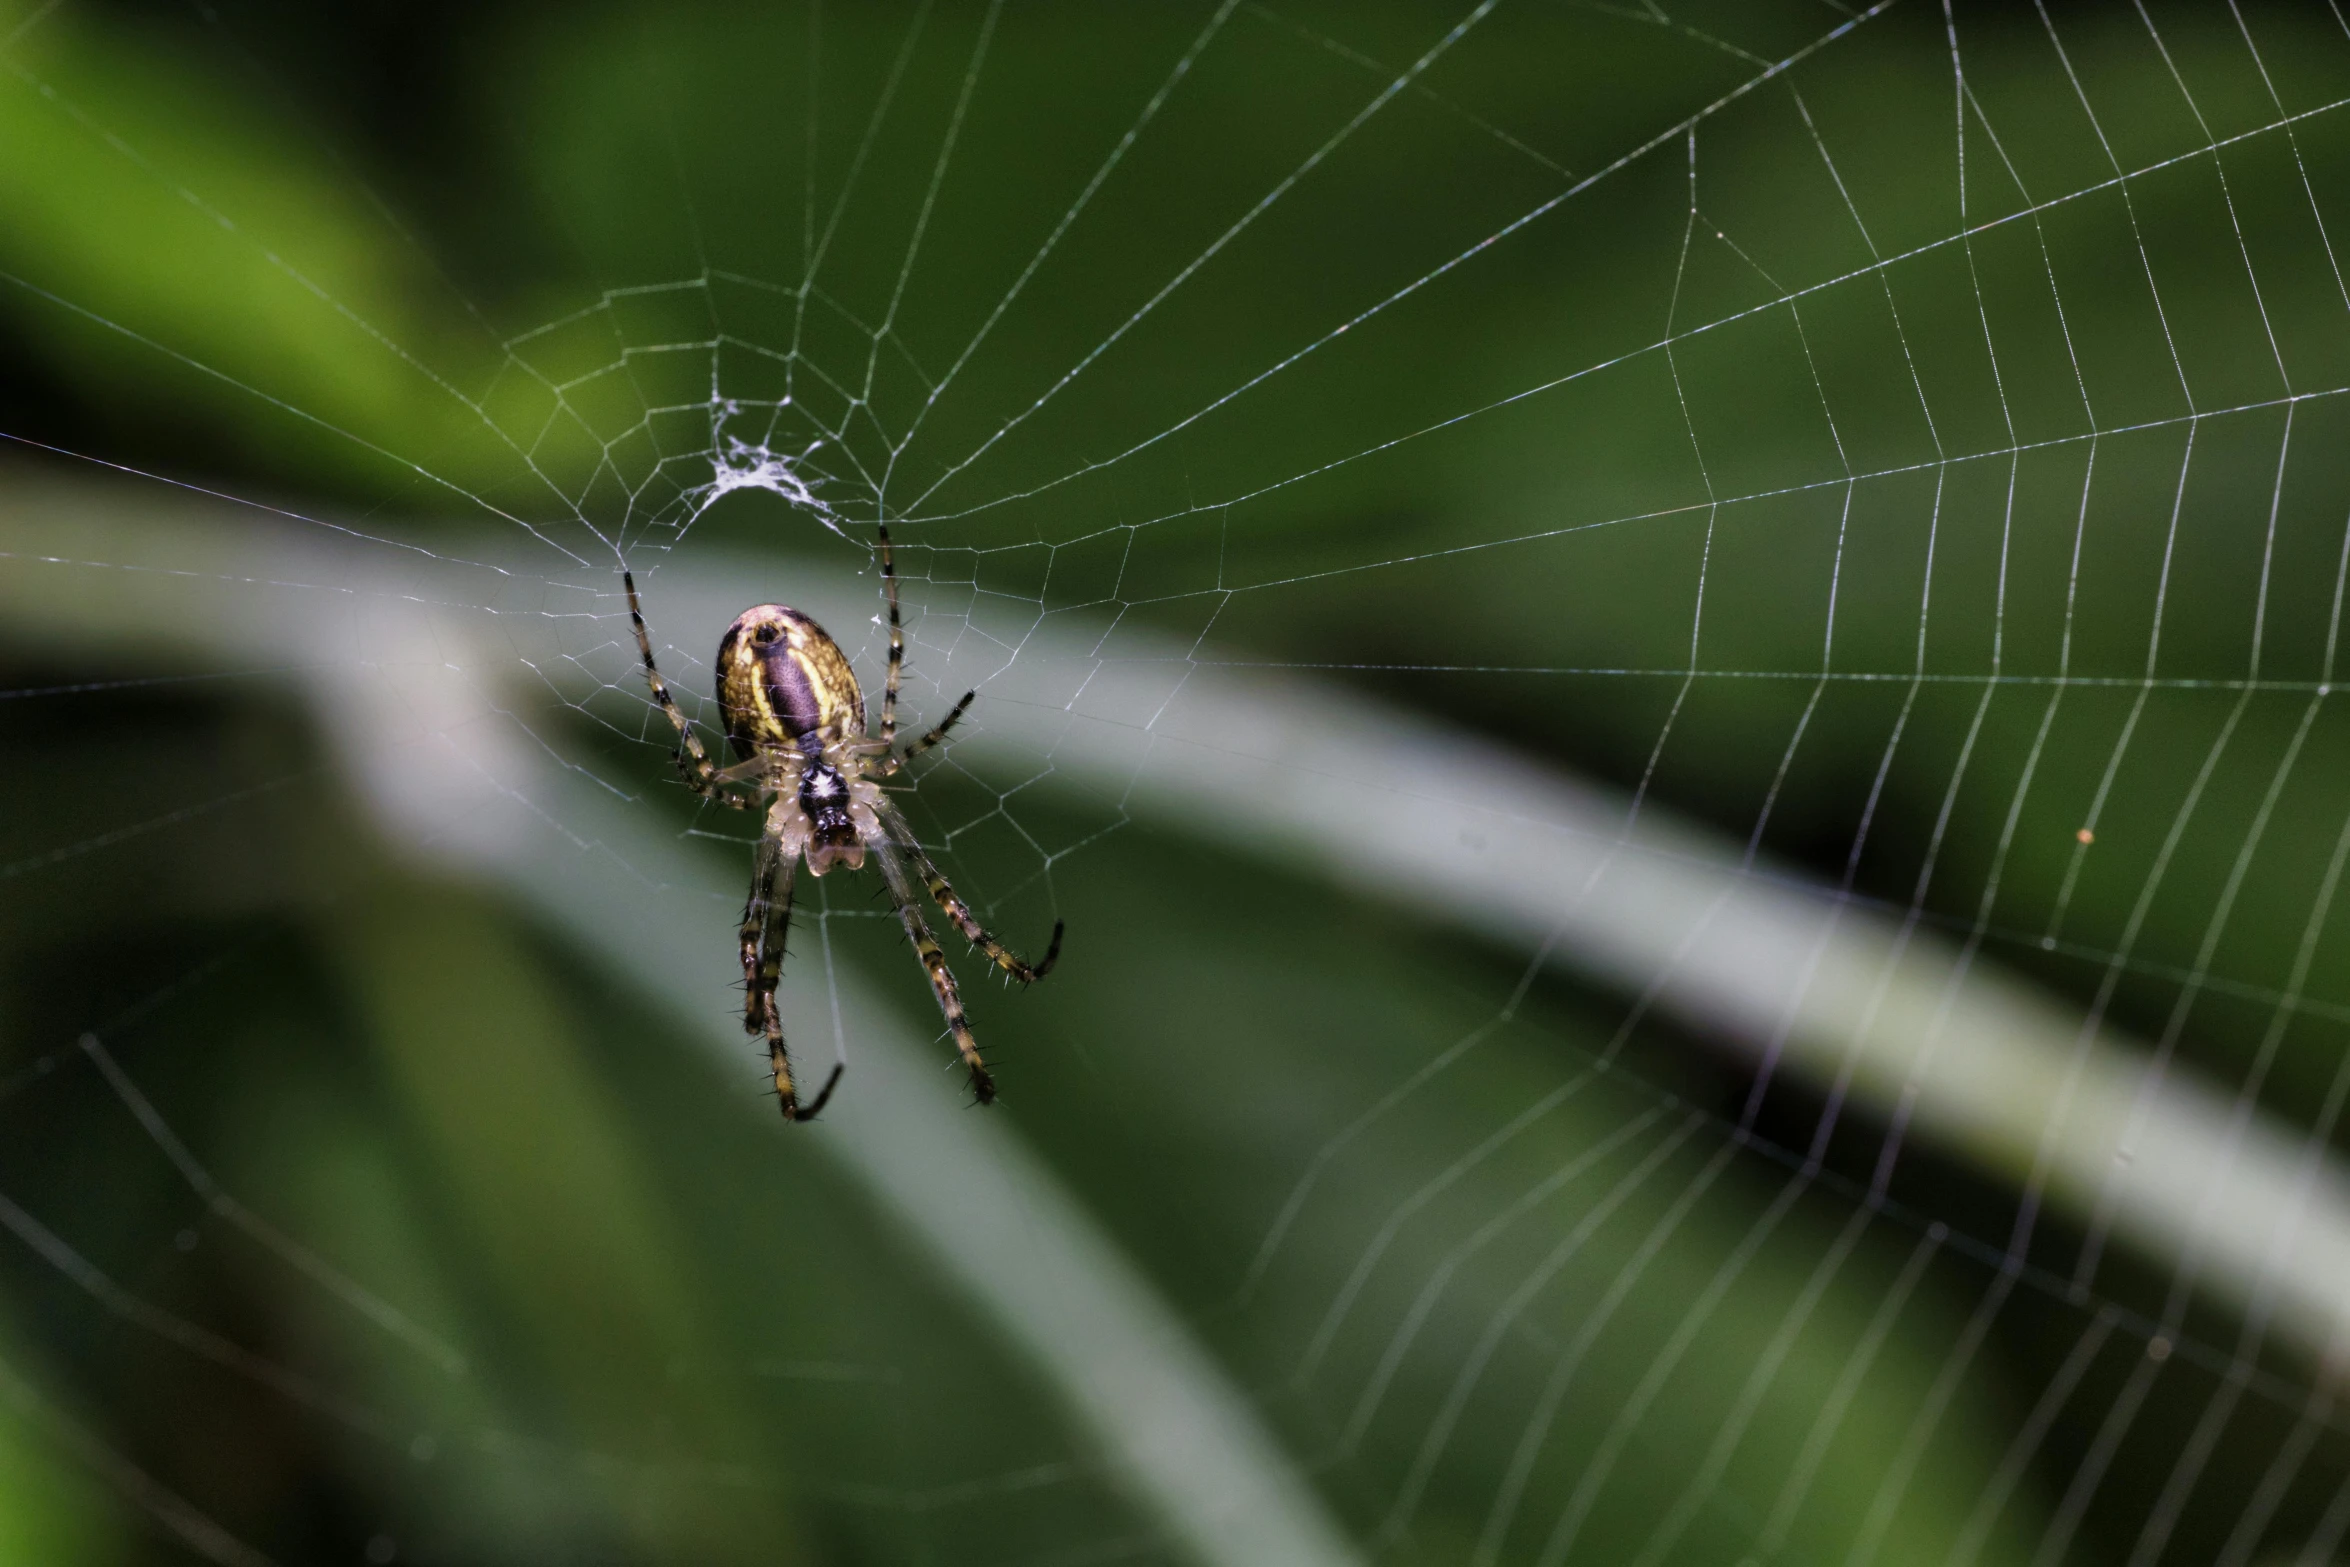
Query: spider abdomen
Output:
(782,679)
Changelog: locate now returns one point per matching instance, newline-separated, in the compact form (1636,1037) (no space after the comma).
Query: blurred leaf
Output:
(50,1512)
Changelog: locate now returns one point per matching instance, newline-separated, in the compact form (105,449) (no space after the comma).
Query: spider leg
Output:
(901,833)
(766,922)
(770,879)
(897,637)
(769,772)
(934,964)
(692,760)
(927,741)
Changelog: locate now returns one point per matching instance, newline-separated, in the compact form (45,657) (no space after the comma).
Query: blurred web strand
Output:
(1544,209)
(284,1247)
(1264,204)
(184,1522)
(178,1330)
(1068,219)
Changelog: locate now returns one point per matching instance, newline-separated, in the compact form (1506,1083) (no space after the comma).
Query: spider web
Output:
(1895,454)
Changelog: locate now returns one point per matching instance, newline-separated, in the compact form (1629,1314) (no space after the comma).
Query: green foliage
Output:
(681,1337)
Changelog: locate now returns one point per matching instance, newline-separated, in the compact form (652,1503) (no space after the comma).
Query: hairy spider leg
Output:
(900,759)
(897,664)
(901,833)
(934,963)
(692,761)
(897,636)
(771,881)
(766,924)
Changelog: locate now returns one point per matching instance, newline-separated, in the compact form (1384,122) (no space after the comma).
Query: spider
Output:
(793,713)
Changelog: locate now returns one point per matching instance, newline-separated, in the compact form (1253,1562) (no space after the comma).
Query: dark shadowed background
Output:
(1910,444)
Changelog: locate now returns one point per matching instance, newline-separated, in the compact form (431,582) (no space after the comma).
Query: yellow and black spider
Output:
(796,720)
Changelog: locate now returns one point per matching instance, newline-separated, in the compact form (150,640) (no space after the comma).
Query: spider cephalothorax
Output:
(795,719)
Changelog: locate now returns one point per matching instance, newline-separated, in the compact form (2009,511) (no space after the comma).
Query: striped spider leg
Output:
(701,776)
(897,660)
(766,921)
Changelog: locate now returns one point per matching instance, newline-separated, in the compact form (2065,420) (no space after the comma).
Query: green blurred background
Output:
(1963,513)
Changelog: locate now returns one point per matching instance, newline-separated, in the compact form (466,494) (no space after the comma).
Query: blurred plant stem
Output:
(48,1513)
(469,1028)
(450,783)
(1927,1035)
